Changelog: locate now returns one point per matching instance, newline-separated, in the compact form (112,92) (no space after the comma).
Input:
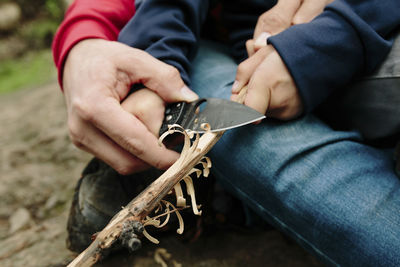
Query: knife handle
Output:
(174,114)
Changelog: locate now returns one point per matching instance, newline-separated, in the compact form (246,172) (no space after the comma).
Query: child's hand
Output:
(271,88)
(283,15)
(148,107)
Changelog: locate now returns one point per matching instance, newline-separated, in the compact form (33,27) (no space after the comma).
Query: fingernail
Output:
(188,94)
(262,39)
(235,86)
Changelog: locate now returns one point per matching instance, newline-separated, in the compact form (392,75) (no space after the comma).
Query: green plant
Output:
(38,33)
(48,8)
(30,70)
(55,8)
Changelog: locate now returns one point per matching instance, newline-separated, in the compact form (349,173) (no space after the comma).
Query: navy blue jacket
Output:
(350,38)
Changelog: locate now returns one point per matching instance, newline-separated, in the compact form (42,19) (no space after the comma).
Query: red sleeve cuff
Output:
(64,41)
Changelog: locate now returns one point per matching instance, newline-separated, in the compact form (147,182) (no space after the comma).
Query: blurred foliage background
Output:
(27,28)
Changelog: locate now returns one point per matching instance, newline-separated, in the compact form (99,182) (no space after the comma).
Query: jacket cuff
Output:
(70,35)
(86,19)
(329,52)
(321,56)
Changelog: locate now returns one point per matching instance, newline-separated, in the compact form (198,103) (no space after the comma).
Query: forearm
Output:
(87,19)
(168,30)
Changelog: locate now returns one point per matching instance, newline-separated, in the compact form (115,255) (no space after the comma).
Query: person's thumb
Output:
(156,75)
(168,84)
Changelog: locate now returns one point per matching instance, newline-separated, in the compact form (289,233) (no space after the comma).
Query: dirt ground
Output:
(38,171)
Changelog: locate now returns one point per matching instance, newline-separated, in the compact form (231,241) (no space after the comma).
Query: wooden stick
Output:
(145,202)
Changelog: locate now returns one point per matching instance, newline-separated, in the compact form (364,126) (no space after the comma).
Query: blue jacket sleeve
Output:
(350,38)
(168,30)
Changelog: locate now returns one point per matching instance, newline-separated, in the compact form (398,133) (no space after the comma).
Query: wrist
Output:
(78,53)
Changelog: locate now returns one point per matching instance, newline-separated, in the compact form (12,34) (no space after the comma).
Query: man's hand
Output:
(283,15)
(97,77)
(271,89)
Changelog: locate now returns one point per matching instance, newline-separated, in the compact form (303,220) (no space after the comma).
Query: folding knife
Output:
(218,114)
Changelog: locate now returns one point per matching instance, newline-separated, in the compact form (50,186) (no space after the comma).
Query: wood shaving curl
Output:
(191,141)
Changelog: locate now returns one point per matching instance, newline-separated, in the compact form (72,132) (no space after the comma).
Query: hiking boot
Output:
(99,195)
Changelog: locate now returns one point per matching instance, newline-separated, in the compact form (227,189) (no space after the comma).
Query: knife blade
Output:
(220,114)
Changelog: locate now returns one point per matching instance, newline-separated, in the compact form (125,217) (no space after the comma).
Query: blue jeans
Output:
(334,195)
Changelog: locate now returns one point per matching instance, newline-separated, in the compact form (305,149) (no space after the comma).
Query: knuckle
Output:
(125,169)
(136,147)
(289,113)
(83,109)
(74,132)
(172,73)
(298,20)
(249,43)
(76,138)
(263,17)
(242,68)
(160,164)
(275,20)
(167,76)
(77,134)
(283,102)
(77,144)
(280,96)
